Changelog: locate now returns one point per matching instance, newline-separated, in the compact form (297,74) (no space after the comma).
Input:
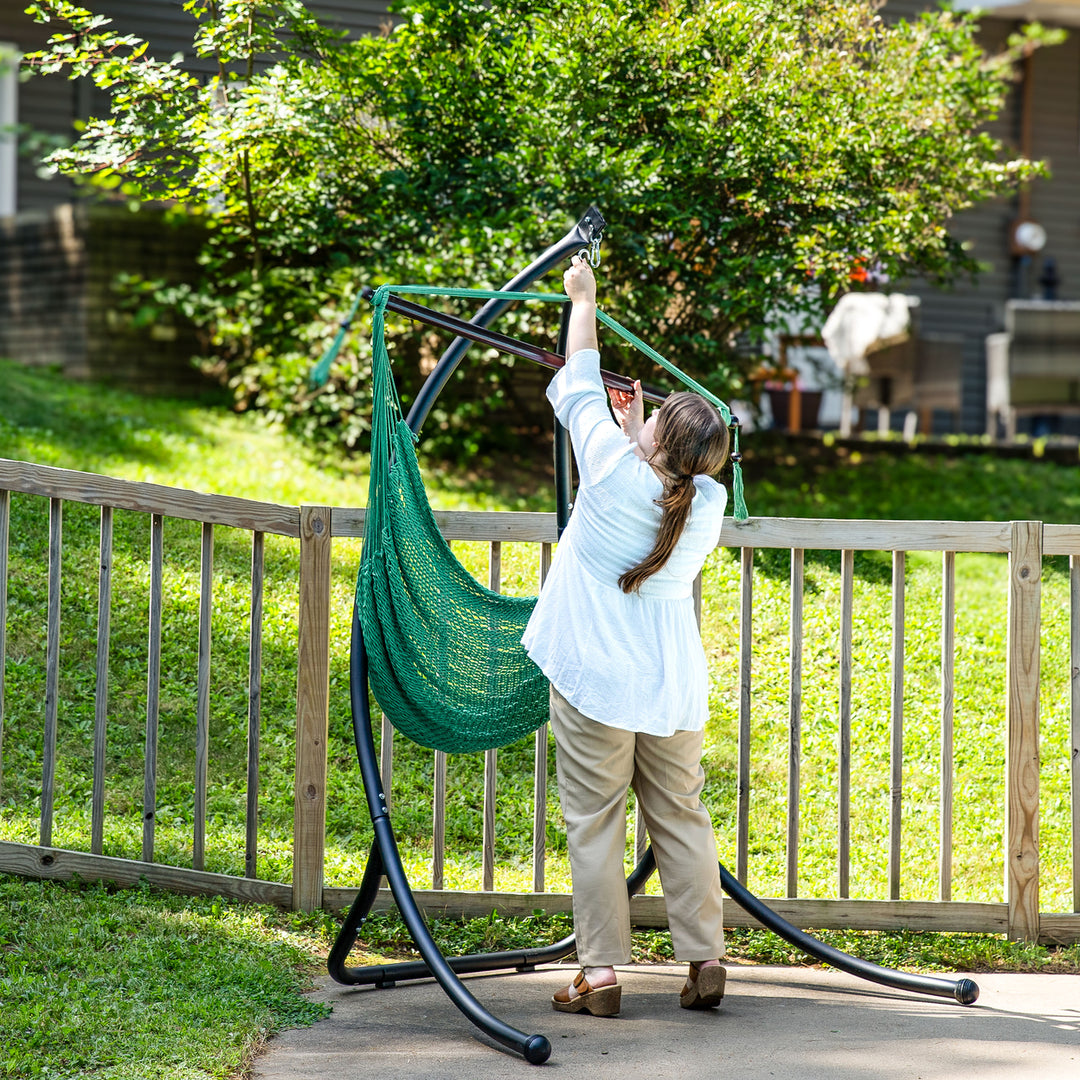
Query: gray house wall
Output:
(978,309)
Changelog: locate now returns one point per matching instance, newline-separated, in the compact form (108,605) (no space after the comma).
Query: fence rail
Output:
(315,530)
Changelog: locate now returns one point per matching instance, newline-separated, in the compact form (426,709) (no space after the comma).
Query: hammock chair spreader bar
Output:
(512,346)
(587,230)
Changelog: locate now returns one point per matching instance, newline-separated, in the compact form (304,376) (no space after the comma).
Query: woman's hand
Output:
(580,286)
(578,281)
(629,409)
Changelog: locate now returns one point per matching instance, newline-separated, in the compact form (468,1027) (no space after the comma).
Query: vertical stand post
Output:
(563,453)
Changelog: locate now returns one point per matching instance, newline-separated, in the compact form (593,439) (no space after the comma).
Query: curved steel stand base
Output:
(385,859)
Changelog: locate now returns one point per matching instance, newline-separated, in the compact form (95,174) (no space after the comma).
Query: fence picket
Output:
(438,826)
(52,668)
(948,651)
(795,718)
(1074,720)
(101,684)
(896,724)
(202,706)
(251,814)
(153,687)
(386,759)
(491,757)
(5,518)
(746,638)
(843,734)
(540,772)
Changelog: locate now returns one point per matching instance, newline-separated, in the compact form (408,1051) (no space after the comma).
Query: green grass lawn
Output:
(45,420)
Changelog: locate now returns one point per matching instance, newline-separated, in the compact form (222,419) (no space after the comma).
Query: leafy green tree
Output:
(746,153)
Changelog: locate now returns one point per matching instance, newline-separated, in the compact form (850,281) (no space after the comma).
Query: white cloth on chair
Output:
(861,320)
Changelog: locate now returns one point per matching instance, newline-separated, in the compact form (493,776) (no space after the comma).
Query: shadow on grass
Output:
(86,424)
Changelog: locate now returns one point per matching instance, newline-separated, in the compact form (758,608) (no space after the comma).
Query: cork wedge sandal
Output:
(597,1001)
(704,987)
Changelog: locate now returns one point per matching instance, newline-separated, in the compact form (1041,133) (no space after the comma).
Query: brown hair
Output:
(692,439)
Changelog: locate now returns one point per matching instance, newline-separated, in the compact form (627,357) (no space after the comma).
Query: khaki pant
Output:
(596,764)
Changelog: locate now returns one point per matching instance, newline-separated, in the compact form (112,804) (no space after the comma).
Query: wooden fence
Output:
(315,529)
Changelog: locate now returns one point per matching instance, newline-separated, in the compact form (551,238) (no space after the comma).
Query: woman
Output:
(615,633)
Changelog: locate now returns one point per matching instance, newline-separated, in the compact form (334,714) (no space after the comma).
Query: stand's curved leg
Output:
(385,976)
(358,912)
(965,991)
(534,1048)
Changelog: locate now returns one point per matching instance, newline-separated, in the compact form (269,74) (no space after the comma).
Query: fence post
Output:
(1022,731)
(312,708)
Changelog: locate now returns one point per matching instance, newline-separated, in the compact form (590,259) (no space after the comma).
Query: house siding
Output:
(976,309)
(59,307)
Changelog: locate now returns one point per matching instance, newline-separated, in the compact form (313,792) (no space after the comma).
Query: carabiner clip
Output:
(591,254)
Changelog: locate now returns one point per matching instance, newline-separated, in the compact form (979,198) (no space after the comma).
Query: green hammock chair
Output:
(446,664)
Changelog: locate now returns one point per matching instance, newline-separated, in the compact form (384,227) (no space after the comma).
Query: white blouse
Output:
(630,660)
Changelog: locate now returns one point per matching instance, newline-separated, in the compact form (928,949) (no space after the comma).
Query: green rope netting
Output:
(445,659)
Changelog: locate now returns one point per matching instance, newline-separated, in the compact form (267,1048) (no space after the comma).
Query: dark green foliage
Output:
(748,156)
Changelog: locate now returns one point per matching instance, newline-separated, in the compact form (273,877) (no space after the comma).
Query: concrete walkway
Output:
(786,1022)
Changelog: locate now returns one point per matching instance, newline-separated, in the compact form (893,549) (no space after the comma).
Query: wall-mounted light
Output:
(1026,238)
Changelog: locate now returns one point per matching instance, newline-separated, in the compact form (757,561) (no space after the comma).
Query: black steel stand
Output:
(384,858)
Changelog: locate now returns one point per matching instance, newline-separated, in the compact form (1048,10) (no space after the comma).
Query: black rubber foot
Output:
(966,992)
(537,1050)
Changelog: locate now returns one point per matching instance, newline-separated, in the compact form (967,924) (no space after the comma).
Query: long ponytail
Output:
(693,440)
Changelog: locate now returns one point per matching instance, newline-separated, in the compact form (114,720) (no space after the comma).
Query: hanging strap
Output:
(386,391)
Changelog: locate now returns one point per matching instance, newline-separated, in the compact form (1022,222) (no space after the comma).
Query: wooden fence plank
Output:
(202,695)
(948,668)
(312,708)
(1022,727)
(795,641)
(254,726)
(5,518)
(1061,540)
(476,525)
(836,534)
(1074,720)
(438,825)
(746,639)
(58,864)
(147,498)
(540,772)
(843,734)
(52,667)
(101,680)
(153,687)
(1056,928)
(650,911)
(896,724)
